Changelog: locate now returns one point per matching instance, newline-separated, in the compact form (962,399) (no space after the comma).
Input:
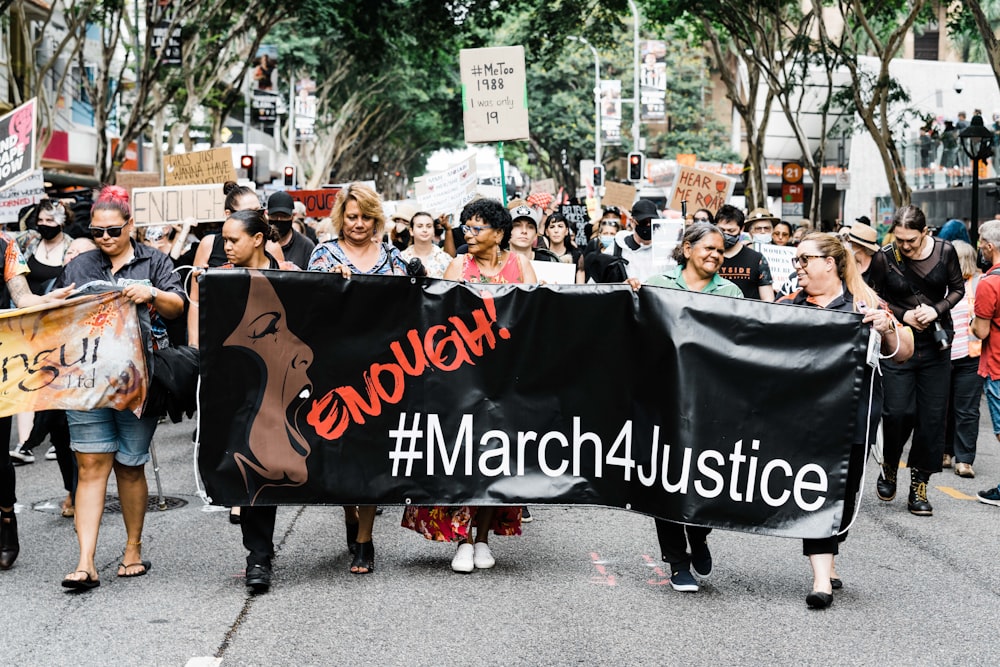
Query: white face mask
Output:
(761,238)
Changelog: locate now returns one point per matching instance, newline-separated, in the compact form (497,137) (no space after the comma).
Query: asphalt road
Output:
(582,586)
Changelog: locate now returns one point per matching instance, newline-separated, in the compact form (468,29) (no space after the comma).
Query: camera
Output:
(941,336)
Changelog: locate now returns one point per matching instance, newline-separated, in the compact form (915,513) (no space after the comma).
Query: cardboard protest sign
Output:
(494,94)
(30,190)
(318,203)
(130,180)
(544,185)
(618,194)
(211,166)
(203,203)
(700,189)
(83,354)
(17,144)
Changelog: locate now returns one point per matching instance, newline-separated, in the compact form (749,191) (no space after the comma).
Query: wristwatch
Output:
(152,293)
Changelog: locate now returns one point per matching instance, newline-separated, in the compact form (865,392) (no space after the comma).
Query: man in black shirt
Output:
(742,265)
(297,248)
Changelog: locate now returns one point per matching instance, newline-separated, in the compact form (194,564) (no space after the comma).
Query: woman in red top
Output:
(487,226)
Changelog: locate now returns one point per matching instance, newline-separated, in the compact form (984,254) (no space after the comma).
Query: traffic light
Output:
(598,175)
(246,163)
(289,176)
(635,166)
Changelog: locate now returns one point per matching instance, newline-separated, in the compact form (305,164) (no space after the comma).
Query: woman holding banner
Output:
(106,439)
(487,226)
(699,256)
(829,278)
(358,225)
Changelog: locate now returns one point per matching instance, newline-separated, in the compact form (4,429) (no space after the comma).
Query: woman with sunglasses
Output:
(829,278)
(487,226)
(921,279)
(106,439)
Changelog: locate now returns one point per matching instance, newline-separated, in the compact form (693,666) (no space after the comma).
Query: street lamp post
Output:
(976,142)
(636,92)
(597,111)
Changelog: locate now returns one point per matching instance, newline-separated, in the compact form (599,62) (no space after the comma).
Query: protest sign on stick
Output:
(17,144)
(211,166)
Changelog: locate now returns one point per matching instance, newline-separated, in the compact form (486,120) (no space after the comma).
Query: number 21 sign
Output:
(494,94)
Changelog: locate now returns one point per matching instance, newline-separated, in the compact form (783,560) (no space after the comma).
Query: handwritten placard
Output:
(203,203)
(448,191)
(700,189)
(211,166)
(30,190)
(494,94)
(17,144)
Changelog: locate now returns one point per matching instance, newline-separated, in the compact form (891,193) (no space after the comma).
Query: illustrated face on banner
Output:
(278,450)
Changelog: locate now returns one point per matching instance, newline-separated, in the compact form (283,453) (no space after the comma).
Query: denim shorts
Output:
(992,390)
(106,431)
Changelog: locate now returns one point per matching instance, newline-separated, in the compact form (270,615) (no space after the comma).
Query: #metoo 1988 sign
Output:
(494,94)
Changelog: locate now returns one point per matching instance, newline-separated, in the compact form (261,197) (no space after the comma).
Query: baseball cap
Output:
(644,210)
(282,203)
(519,208)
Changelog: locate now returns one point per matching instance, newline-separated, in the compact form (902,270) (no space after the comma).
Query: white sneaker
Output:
(21,456)
(483,556)
(50,453)
(464,559)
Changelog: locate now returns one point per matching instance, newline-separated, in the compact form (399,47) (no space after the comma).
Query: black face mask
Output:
(282,227)
(983,262)
(729,240)
(49,232)
(644,232)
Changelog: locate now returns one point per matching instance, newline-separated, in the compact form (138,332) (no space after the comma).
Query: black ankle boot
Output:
(9,546)
(917,501)
(885,485)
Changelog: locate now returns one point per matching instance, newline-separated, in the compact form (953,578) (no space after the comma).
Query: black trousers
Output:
(7,496)
(52,423)
(826,545)
(674,539)
(916,401)
(257,524)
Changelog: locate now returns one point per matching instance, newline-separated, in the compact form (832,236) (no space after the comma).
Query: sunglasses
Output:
(803,260)
(113,232)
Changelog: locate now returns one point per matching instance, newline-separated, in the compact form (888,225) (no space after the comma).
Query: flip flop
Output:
(146,565)
(81,584)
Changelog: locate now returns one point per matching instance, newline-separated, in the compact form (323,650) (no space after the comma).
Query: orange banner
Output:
(83,354)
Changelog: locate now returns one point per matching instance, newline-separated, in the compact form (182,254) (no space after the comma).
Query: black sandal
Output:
(364,557)
(352,537)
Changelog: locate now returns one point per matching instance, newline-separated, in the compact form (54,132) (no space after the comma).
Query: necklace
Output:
(495,269)
(47,250)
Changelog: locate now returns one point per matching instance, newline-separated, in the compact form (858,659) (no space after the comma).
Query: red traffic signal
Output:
(635,166)
(289,176)
(598,176)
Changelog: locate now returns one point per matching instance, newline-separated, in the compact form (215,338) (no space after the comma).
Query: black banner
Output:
(691,407)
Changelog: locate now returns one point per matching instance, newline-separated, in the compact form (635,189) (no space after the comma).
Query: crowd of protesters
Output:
(917,290)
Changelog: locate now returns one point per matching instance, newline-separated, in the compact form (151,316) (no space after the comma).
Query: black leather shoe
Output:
(364,557)
(885,485)
(836,584)
(818,600)
(259,578)
(9,546)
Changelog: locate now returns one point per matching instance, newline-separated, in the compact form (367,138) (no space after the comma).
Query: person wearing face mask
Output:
(760,224)
(296,247)
(636,246)
(743,266)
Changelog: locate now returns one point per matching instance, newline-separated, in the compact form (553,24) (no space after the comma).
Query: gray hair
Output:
(990,232)
(693,235)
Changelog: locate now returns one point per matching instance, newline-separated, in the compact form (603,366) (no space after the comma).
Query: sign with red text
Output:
(494,94)
(388,390)
(26,192)
(700,189)
(17,144)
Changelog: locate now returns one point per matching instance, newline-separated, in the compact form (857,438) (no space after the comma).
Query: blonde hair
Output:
(368,201)
(831,246)
(966,258)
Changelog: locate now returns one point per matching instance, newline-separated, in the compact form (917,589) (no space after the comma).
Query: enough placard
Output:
(700,189)
(494,94)
(318,203)
(211,166)
(203,203)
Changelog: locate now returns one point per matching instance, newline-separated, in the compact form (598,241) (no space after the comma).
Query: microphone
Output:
(416,269)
